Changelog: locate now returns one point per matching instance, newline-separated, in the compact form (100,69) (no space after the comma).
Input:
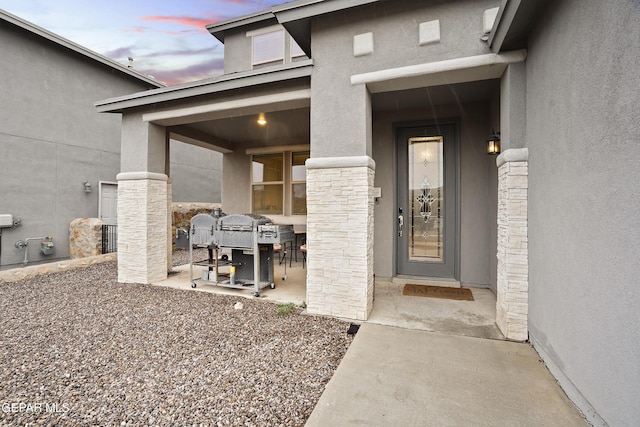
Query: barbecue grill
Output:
(246,235)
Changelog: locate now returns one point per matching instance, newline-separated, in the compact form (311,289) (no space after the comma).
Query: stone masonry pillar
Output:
(142,227)
(513,250)
(144,201)
(340,236)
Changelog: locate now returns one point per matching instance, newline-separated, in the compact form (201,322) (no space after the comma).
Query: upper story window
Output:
(268,47)
(272,45)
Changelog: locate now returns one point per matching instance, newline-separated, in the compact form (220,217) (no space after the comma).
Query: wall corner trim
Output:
(134,176)
(340,162)
(513,155)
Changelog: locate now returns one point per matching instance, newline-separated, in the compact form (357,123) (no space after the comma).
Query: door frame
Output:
(397,126)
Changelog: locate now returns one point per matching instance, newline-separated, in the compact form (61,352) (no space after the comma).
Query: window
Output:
(299,183)
(272,45)
(274,192)
(268,47)
(267,184)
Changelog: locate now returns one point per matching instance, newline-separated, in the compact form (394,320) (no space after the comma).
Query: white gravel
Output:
(77,348)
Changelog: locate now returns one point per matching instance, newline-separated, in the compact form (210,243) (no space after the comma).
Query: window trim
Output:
(261,32)
(269,183)
(287,183)
(293,182)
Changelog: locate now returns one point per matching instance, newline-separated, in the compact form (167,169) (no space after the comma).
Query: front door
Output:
(427,208)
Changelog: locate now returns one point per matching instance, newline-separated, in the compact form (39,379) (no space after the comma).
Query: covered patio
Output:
(462,318)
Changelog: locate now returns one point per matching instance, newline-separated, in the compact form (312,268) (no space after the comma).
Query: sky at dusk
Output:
(167,39)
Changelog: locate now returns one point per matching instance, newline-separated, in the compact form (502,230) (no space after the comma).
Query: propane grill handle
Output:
(400,222)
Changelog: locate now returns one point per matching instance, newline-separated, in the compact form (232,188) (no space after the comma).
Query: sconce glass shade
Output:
(261,120)
(493,143)
(87,187)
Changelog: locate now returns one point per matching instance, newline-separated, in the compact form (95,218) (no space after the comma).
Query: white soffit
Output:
(235,108)
(458,70)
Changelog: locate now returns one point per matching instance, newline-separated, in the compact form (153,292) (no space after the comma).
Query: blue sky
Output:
(165,38)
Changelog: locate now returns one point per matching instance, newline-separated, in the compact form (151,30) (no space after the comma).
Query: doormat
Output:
(461,294)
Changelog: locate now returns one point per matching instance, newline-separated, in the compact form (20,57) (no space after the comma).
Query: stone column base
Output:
(340,236)
(142,227)
(512,305)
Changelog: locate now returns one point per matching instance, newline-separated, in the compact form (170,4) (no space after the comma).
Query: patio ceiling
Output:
(293,125)
(282,127)
(459,93)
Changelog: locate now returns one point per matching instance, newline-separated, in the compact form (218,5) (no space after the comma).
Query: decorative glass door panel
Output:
(427,208)
(426,199)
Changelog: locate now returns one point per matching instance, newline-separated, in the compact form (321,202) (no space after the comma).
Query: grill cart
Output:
(245,235)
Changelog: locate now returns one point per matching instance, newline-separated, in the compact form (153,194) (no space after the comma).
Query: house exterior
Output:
(388,105)
(52,140)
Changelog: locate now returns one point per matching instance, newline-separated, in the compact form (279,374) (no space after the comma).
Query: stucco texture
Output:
(52,140)
(582,134)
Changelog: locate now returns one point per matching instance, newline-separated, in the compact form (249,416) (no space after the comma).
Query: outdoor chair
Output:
(281,251)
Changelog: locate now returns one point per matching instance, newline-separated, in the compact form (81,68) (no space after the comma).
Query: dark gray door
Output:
(427,210)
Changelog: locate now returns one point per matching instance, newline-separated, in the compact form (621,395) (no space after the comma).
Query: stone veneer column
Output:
(142,227)
(513,251)
(340,236)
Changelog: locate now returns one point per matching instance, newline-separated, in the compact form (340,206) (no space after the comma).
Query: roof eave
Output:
(513,23)
(296,16)
(68,44)
(218,29)
(224,83)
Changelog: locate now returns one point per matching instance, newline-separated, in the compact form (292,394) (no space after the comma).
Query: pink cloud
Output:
(203,70)
(188,21)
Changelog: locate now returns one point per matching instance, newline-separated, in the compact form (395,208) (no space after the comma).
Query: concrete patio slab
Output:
(399,377)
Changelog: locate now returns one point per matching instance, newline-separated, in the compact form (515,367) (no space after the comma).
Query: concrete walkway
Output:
(425,362)
(400,377)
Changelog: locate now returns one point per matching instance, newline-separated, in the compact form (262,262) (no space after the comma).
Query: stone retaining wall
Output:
(85,237)
(183,212)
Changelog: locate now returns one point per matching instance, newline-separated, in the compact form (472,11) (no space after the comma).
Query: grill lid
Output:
(242,222)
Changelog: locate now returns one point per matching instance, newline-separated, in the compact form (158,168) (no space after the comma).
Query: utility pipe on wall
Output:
(46,247)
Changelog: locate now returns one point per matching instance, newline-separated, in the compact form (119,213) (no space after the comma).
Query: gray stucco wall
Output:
(582,133)
(237,51)
(196,173)
(52,140)
(477,181)
(395,33)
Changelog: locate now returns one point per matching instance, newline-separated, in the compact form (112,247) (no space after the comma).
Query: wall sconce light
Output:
(87,187)
(493,143)
(261,120)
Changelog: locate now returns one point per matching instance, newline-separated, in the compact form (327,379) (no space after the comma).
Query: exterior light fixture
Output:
(261,120)
(87,187)
(493,143)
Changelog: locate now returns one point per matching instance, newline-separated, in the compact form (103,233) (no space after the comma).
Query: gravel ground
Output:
(77,348)
(181,256)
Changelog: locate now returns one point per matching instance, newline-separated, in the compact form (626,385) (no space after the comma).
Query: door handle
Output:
(400,223)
